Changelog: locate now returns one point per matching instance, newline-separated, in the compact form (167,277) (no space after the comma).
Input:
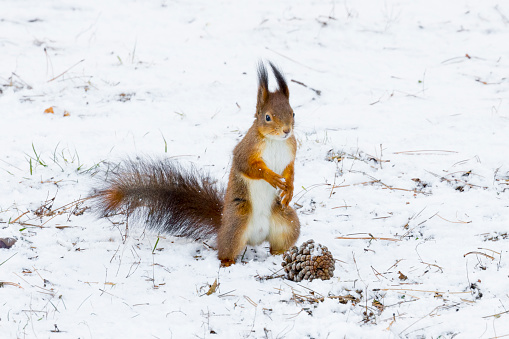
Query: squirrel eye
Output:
(267,117)
(294,115)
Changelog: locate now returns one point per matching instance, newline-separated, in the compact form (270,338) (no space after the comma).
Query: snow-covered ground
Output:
(402,169)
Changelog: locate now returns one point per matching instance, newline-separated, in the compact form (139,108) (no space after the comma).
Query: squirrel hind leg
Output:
(284,229)
(231,237)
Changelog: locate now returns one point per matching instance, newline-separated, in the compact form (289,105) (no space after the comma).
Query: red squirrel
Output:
(255,207)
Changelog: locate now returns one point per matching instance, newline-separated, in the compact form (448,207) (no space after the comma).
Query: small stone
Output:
(7,242)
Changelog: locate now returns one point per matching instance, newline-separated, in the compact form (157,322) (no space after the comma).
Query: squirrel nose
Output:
(286,131)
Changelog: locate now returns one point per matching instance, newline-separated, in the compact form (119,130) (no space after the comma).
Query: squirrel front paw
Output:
(287,196)
(278,181)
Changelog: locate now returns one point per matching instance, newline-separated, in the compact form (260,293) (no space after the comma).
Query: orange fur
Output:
(113,198)
(287,193)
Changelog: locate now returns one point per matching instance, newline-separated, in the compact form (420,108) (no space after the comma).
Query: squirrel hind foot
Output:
(276,251)
(227,262)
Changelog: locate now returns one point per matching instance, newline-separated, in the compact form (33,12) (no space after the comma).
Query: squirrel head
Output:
(274,115)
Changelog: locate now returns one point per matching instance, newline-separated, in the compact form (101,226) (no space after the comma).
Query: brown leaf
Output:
(212,288)
(402,276)
(49,110)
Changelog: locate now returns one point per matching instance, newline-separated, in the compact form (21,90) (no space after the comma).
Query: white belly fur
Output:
(276,155)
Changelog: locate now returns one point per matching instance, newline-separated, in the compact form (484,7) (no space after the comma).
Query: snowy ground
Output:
(403,135)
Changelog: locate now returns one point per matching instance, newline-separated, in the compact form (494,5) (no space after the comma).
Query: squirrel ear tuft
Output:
(281,82)
(263,86)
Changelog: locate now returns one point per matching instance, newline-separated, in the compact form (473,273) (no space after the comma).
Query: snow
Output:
(413,104)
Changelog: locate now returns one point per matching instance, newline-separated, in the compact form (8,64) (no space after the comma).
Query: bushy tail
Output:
(167,196)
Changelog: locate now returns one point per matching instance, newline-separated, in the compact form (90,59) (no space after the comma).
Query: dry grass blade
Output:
(45,210)
(345,206)
(227,294)
(500,336)
(6,260)
(250,301)
(26,224)
(487,249)
(454,222)
(427,152)
(412,290)
(269,277)
(73,206)
(401,189)
(434,265)
(61,227)
(357,184)
(367,238)
(495,315)
(385,186)
(317,91)
(480,253)
(3,283)
(293,60)
(307,298)
(67,70)
(15,220)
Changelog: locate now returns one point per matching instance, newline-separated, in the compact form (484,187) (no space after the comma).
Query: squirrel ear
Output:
(263,86)
(281,82)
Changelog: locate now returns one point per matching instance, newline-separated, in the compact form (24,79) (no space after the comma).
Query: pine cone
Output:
(308,262)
